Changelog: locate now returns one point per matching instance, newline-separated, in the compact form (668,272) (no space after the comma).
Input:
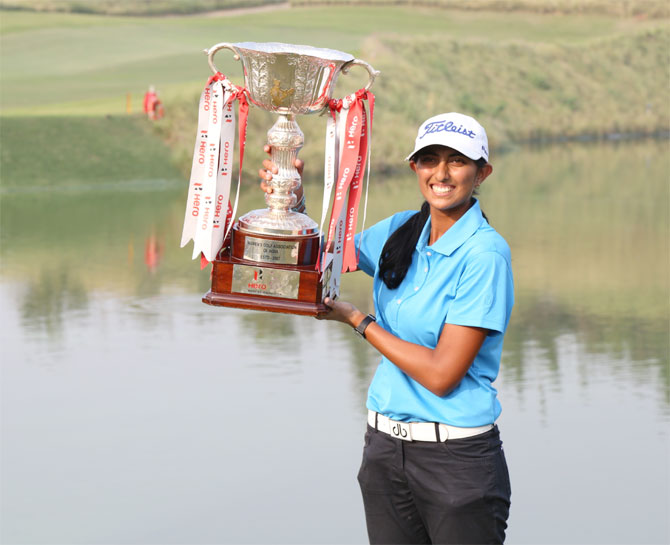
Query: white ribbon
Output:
(211,171)
(331,166)
(194,199)
(204,230)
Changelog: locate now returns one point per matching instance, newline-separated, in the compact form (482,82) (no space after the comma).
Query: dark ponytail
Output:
(397,253)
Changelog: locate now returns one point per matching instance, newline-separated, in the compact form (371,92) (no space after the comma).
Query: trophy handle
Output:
(372,73)
(213,50)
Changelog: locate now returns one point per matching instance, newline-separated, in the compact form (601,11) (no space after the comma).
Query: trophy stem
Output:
(286,140)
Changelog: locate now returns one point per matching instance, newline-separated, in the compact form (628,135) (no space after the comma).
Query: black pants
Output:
(419,492)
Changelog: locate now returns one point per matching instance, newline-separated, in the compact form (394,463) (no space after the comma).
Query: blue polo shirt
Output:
(464,278)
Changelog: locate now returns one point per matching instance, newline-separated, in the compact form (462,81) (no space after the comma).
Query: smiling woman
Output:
(447,180)
(443,295)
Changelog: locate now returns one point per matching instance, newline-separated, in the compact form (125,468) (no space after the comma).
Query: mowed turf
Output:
(52,62)
(82,152)
(527,76)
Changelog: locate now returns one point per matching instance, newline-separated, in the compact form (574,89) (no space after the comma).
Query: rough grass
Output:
(44,152)
(526,92)
(523,93)
(131,7)
(617,8)
(94,61)
(527,76)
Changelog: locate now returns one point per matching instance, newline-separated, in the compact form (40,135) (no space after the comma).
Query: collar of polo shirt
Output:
(456,235)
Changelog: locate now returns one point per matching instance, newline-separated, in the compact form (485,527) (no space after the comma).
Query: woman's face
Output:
(447,179)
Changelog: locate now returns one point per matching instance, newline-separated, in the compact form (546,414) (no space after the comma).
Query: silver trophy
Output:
(270,262)
(289,80)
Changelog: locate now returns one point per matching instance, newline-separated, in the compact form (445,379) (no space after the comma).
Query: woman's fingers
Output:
(265,178)
(299,163)
(339,310)
(265,173)
(270,168)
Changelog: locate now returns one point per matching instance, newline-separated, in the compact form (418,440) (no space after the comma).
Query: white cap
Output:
(456,131)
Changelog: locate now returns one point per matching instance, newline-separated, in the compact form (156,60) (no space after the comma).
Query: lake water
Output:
(134,414)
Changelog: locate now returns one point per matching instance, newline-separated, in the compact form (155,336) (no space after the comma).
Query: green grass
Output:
(131,7)
(617,8)
(528,76)
(44,152)
(522,92)
(89,58)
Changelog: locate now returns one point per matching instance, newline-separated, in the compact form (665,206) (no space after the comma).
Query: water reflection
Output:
(588,225)
(153,252)
(49,297)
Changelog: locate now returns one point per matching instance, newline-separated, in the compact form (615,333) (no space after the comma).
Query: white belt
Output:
(422,431)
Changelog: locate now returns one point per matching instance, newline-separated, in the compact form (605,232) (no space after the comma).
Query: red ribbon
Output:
(335,106)
(349,261)
(243,114)
(216,77)
(350,173)
(350,258)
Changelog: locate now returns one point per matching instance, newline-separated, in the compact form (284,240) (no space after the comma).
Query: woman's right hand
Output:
(269,168)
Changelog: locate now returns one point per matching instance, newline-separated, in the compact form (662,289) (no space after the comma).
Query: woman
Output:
(433,468)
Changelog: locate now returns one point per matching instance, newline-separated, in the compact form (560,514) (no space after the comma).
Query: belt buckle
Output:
(401,430)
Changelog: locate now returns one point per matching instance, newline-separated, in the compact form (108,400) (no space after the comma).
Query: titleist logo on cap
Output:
(449,126)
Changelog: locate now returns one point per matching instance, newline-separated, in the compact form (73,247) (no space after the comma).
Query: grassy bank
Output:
(47,152)
(92,61)
(527,92)
(132,7)
(522,92)
(616,8)
(529,77)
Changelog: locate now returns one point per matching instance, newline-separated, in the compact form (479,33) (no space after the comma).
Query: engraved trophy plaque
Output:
(270,263)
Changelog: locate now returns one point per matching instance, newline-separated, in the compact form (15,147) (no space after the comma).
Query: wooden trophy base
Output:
(270,273)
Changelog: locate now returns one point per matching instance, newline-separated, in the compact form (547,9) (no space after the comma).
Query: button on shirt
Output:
(464,278)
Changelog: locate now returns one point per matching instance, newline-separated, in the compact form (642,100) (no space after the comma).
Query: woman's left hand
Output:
(342,311)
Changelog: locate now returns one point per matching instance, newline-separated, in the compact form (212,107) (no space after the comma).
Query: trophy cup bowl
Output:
(277,243)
